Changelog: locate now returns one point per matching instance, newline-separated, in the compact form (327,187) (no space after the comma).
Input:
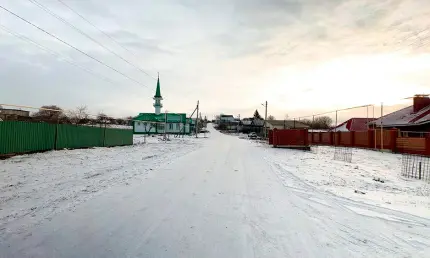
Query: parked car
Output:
(252,135)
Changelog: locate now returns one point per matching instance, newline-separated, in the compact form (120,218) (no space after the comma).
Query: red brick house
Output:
(415,118)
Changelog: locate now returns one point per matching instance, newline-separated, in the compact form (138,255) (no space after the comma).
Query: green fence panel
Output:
(73,137)
(22,137)
(118,137)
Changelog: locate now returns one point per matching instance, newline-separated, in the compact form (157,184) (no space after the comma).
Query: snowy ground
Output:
(215,197)
(365,174)
(35,187)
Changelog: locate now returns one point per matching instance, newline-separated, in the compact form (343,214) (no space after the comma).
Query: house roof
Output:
(287,123)
(405,117)
(354,124)
(152,117)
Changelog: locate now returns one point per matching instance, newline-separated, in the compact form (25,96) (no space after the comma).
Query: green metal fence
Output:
(23,137)
(74,137)
(118,137)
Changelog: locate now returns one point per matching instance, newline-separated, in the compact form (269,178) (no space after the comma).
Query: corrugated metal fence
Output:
(22,137)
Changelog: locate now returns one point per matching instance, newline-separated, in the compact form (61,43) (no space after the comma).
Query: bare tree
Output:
(102,118)
(129,120)
(306,122)
(286,117)
(270,117)
(324,122)
(79,115)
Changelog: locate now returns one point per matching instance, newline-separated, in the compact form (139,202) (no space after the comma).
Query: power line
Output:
(54,53)
(44,8)
(71,46)
(104,33)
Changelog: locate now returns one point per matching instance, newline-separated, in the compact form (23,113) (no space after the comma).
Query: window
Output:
(171,126)
(138,123)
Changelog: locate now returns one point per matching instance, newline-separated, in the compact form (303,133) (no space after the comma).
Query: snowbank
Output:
(37,186)
(372,177)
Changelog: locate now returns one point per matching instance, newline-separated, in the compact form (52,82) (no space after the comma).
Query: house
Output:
(415,118)
(285,124)
(159,123)
(228,122)
(14,114)
(356,124)
(226,119)
(248,125)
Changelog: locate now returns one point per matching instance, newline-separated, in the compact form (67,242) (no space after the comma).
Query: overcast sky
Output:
(302,56)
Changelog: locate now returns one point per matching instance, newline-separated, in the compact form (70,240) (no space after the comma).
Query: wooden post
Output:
(197,120)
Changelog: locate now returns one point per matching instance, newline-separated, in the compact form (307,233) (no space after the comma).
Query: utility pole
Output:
(382,126)
(165,125)
(197,120)
(265,119)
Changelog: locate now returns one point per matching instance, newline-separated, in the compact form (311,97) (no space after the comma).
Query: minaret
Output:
(158,98)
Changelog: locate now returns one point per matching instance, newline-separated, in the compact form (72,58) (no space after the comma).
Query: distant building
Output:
(226,118)
(353,125)
(248,125)
(415,118)
(285,124)
(14,114)
(159,123)
(227,122)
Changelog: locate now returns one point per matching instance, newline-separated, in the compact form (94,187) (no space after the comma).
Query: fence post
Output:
(393,138)
(370,138)
(104,136)
(56,133)
(331,138)
(275,137)
(427,150)
(306,133)
(419,175)
(337,138)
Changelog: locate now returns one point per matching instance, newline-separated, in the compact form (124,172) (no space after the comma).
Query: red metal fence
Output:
(289,138)
(371,139)
(391,140)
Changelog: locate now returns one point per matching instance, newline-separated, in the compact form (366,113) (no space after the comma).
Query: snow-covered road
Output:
(229,198)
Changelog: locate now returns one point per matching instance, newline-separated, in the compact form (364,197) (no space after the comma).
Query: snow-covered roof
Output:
(405,117)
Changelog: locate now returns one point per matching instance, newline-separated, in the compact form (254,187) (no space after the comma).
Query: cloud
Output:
(229,54)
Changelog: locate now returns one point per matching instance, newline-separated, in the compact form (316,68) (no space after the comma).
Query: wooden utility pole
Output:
(265,119)
(165,125)
(382,127)
(197,120)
